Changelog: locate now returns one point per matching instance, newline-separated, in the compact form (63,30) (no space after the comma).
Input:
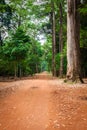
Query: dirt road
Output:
(42,105)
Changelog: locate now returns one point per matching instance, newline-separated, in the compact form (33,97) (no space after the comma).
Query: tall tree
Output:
(61,39)
(60,34)
(73,38)
(53,39)
(5,19)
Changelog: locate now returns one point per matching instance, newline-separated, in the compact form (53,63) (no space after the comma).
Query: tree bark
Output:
(15,71)
(20,71)
(53,40)
(61,41)
(73,38)
(36,68)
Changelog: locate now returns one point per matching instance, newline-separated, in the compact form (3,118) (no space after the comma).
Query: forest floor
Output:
(43,103)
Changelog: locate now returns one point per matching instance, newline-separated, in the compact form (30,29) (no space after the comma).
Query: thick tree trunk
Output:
(73,46)
(61,41)
(53,41)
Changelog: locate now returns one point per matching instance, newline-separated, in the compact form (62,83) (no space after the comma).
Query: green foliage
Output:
(83,19)
(84,61)
(47,56)
(22,53)
(6,68)
(83,10)
(5,14)
(27,20)
(16,49)
(58,55)
(83,38)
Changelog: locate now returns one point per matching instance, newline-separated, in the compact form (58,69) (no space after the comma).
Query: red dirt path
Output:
(42,105)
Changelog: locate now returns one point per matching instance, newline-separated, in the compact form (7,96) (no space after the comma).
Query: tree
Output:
(25,15)
(73,39)
(34,57)
(47,56)
(60,10)
(83,37)
(55,11)
(61,39)
(16,49)
(53,39)
(5,19)
(83,21)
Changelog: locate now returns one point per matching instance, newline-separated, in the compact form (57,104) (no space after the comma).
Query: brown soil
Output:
(37,104)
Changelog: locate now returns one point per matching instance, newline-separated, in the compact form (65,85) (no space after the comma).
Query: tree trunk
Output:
(15,71)
(73,38)
(53,41)
(61,41)
(20,71)
(36,68)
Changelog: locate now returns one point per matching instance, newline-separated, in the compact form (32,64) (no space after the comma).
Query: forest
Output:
(43,64)
(43,35)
